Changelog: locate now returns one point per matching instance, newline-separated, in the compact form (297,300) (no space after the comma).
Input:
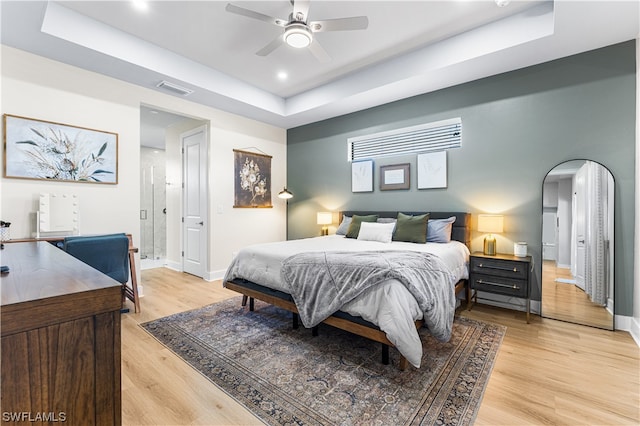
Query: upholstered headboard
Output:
(461,230)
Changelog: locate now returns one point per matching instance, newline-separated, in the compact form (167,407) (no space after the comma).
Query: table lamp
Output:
(324,219)
(490,223)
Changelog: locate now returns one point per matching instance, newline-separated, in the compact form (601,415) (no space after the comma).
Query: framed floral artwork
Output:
(38,149)
(252,183)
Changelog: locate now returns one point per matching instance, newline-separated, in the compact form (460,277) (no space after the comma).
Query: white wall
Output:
(36,87)
(41,89)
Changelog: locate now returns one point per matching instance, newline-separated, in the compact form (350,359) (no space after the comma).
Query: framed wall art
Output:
(252,183)
(432,170)
(394,177)
(38,149)
(362,176)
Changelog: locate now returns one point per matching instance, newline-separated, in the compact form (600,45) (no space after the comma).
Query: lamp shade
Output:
(325,218)
(285,194)
(490,223)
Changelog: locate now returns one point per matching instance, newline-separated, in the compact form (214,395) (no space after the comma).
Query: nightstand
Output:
(500,274)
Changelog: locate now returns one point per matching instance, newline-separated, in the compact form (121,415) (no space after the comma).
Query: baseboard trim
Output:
(216,275)
(630,325)
(634,330)
(176,266)
(151,263)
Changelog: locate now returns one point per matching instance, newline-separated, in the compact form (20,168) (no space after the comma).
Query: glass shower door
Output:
(152,208)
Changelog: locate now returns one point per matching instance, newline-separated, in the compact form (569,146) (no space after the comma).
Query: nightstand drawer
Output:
(500,285)
(499,268)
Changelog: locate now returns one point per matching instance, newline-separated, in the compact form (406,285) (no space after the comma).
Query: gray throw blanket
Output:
(322,282)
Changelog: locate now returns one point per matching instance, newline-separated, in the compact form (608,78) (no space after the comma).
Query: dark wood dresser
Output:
(501,274)
(60,338)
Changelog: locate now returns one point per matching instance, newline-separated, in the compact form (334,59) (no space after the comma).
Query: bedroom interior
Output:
(518,124)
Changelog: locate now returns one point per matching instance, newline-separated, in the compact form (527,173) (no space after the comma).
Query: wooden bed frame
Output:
(461,232)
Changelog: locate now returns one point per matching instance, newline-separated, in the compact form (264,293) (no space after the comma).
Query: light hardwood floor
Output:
(567,302)
(546,372)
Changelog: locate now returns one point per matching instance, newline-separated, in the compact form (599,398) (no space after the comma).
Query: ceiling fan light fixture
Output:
(298,36)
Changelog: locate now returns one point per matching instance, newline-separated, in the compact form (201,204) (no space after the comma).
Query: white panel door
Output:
(549,236)
(580,215)
(194,206)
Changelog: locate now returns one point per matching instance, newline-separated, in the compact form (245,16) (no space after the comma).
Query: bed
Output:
(381,303)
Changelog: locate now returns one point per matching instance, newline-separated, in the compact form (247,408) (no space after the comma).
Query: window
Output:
(436,136)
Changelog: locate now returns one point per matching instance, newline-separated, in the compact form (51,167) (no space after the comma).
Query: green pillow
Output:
(354,226)
(412,229)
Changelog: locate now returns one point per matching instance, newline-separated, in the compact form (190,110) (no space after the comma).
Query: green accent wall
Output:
(515,128)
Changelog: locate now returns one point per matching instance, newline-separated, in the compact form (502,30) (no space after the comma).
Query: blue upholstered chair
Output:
(108,254)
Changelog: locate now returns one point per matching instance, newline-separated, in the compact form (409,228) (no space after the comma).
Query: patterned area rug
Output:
(287,376)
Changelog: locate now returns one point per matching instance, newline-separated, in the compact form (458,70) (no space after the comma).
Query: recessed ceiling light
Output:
(141,5)
(282,75)
(502,3)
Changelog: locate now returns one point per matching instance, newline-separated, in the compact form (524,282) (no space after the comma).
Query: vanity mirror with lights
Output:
(577,244)
(58,214)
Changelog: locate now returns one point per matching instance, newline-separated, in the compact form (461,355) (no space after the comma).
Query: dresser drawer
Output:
(499,285)
(499,268)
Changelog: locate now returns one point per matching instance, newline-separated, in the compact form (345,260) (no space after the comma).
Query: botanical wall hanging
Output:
(252,183)
(37,149)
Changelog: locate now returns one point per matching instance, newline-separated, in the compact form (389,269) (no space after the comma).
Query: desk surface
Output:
(61,238)
(58,284)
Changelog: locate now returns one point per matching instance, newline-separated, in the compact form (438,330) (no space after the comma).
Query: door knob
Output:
(200,223)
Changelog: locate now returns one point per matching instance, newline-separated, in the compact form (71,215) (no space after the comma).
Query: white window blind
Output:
(436,136)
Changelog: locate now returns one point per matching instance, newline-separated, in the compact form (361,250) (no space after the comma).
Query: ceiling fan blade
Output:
(275,43)
(232,8)
(340,24)
(318,51)
(301,8)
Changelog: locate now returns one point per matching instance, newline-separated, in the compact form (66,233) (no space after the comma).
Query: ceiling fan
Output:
(298,30)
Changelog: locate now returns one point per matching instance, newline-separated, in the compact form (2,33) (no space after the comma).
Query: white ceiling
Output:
(205,33)
(409,48)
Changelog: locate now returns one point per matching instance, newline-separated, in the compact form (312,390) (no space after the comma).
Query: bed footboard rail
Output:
(340,319)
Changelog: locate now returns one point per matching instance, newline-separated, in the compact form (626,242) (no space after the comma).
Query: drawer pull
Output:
(513,286)
(500,268)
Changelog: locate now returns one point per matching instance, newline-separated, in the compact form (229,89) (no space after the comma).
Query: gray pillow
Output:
(344,225)
(386,220)
(439,230)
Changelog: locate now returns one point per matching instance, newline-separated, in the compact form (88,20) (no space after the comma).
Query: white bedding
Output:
(390,306)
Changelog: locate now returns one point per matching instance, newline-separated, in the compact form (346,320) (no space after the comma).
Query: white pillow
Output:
(373,231)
